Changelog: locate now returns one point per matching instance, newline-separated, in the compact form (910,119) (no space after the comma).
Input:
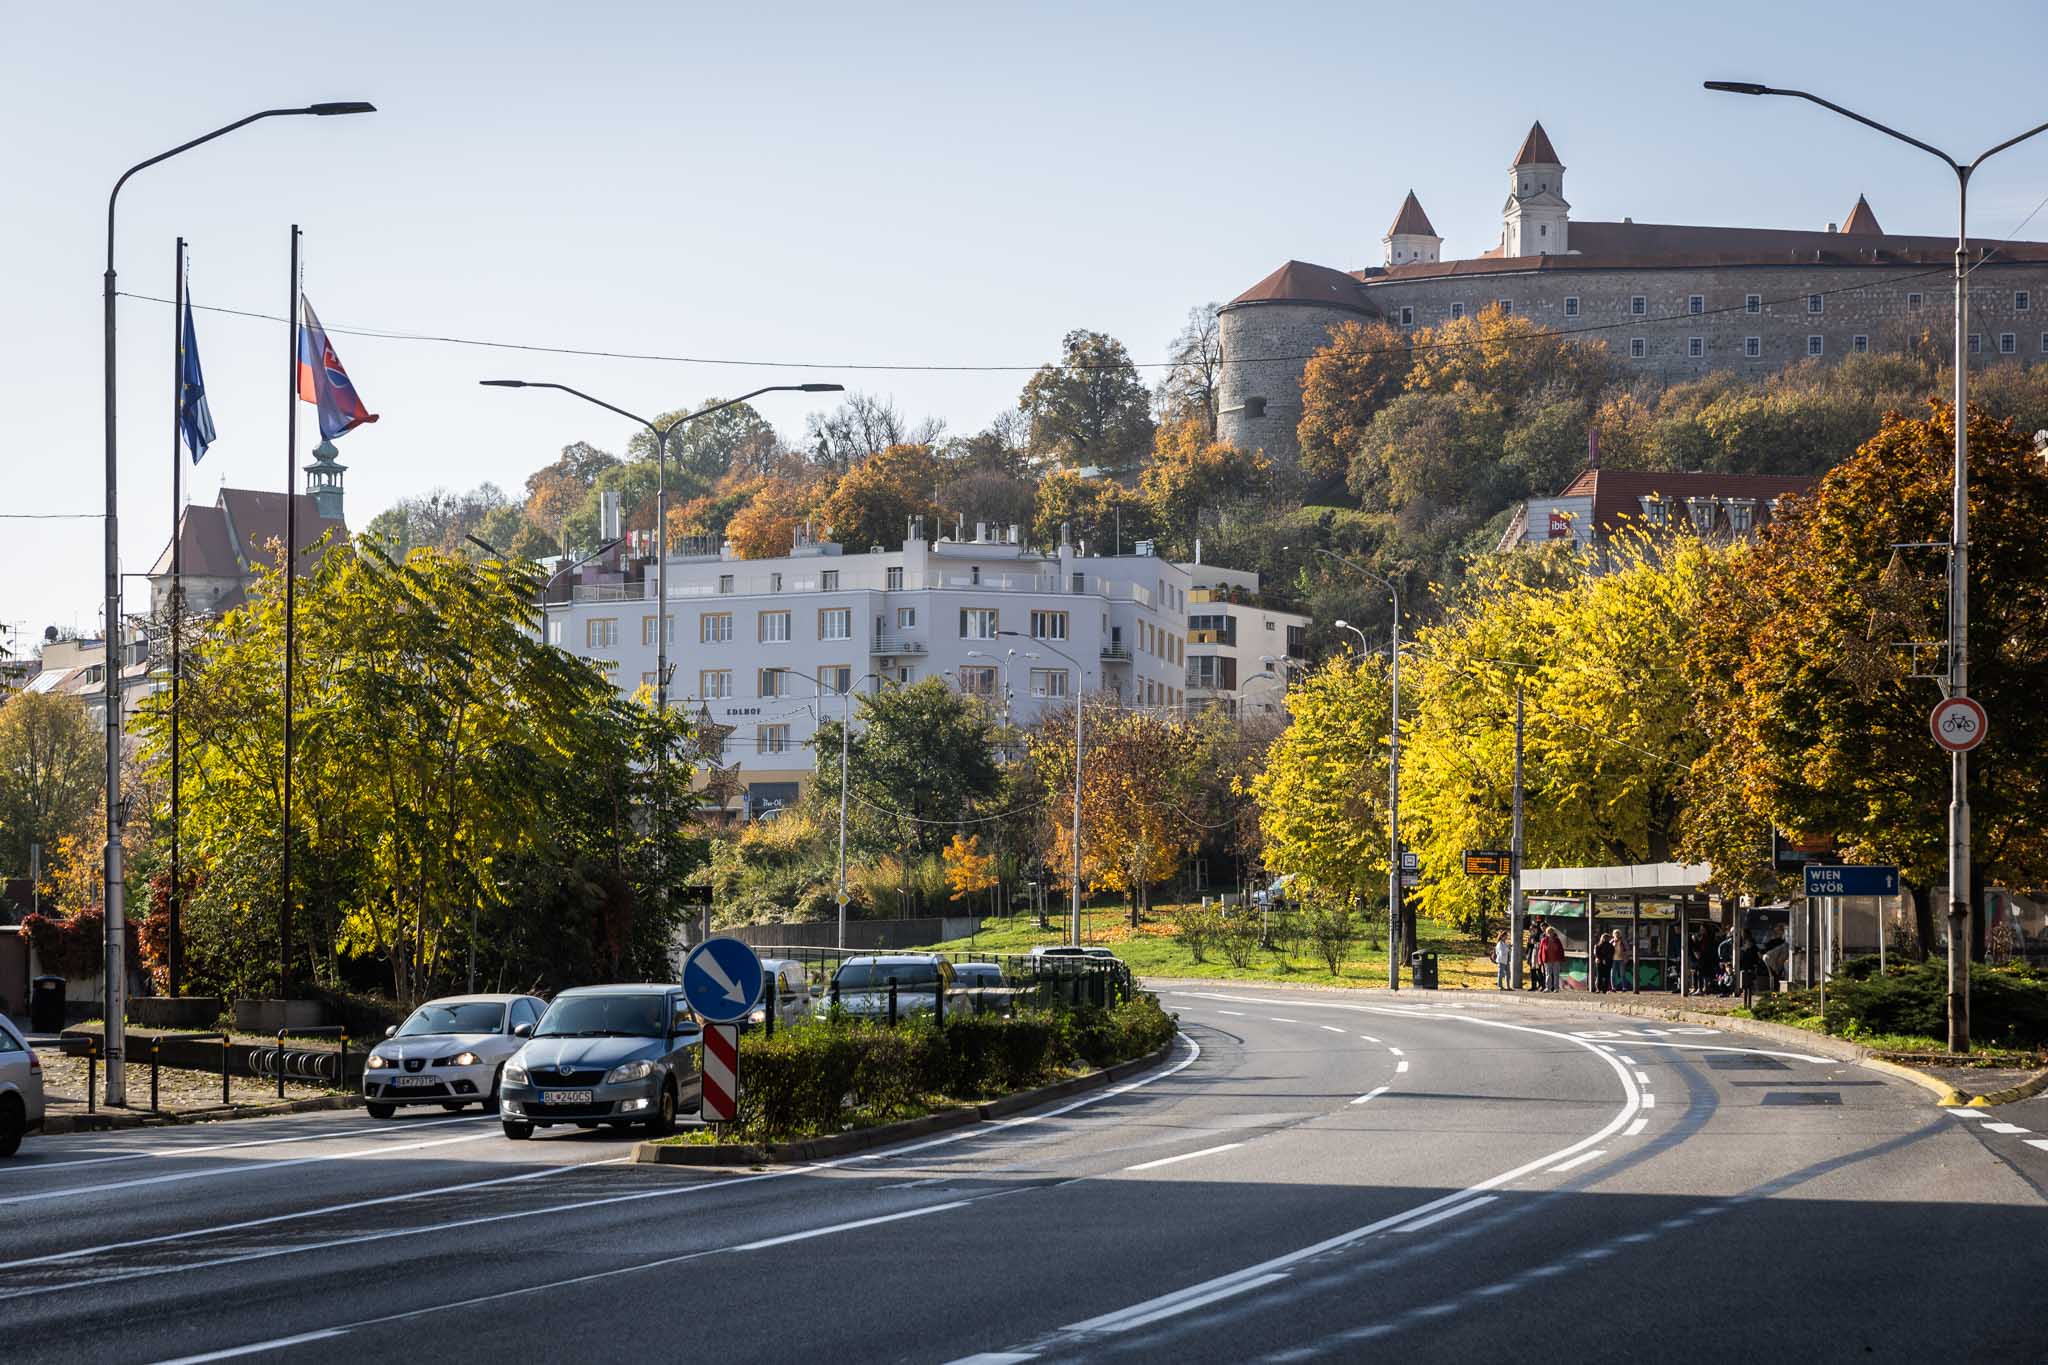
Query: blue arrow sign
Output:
(722,980)
(1834,880)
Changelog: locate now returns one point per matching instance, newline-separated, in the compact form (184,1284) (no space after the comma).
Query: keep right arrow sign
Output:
(1959,724)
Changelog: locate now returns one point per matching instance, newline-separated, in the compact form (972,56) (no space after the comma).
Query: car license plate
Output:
(565,1097)
(407,1082)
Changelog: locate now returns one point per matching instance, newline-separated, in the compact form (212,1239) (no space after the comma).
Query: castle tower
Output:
(1862,221)
(1537,218)
(1411,238)
(323,481)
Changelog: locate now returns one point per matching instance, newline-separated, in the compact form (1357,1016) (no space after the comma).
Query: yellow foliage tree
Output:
(968,869)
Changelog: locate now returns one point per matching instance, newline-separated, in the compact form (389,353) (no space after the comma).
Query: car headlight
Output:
(378,1061)
(515,1072)
(459,1059)
(760,1015)
(629,1071)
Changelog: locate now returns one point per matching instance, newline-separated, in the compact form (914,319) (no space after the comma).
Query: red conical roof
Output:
(1411,218)
(1862,220)
(1536,149)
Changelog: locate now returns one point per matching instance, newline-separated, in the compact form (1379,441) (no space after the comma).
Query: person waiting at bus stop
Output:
(1503,959)
(1551,954)
(1602,972)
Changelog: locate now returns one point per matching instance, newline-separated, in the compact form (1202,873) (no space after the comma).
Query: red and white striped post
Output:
(721,1078)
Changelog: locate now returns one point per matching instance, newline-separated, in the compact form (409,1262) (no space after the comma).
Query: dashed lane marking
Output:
(2005,1128)
(1400,1067)
(1329,1028)
(1442,1214)
(1276,1019)
(1184,1156)
(1373,1093)
(1397,1052)
(1642,1078)
(1581,1159)
(1635,1128)
(2041,1143)
(1649,1100)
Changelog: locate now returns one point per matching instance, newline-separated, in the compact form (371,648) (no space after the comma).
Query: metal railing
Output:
(771,584)
(1029,981)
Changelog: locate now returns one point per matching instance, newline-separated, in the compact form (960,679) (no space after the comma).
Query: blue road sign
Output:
(721,980)
(1823,879)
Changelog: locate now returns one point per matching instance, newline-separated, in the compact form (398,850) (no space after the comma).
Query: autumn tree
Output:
(876,499)
(1192,475)
(1091,408)
(50,772)
(1102,512)
(1347,381)
(1139,782)
(968,869)
(863,425)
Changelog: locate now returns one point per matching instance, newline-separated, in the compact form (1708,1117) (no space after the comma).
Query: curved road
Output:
(1314,1175)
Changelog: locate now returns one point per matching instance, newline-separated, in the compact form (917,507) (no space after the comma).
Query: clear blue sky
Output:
(948,184)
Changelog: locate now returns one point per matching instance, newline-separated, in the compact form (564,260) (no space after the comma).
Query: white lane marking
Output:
(808,1233)
(1400,1067)
(1649,1100)
(1373,1093)
(2042,1143)
(1274,1018)
(1642,1078)
(1331,1027)
(174,1152)
(1971,1113)
(1752,1051)
(1368,1037)
(1581,1159)
(279,1344)
(2005,1128)
(1397,1052)
(1626,1061)
(1184,1156)
(1200,1296)
(1635,1127)
(1441,1214)
(995,1358)
(1235,1014)
(242,1168)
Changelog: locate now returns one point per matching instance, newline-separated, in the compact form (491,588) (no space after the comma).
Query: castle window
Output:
(2007,343)
(1638,347)
(1507,308)
(1752,347)
(1752,303)
(2044,343)
(1696,304)
(1695,347)
(1407,315)
(1457,311)
(1912,303)
(1814,346)
(1859,344)
(1543,229)
(1815,303)
(1638,306)
(1255,407)
(1976,343)
(2021,300)
(1571,305)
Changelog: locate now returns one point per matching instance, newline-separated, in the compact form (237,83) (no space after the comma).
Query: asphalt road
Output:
(1314,1175)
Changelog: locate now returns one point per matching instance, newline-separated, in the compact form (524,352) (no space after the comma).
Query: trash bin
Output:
(46,1004)
(1422,970)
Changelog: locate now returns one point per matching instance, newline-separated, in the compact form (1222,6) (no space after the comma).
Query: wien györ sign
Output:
(1959,724)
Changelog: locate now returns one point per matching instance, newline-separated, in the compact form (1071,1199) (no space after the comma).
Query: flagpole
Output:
(172,944)
(291,574)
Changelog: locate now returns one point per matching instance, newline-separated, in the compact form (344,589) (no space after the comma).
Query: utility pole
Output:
(1515,915)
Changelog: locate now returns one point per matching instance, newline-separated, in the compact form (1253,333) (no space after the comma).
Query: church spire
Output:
(1411,238)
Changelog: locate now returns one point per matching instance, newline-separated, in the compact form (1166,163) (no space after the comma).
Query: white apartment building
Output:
(747,638)
(1231,640)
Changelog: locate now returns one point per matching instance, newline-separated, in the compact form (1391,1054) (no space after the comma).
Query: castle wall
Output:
(1265,350)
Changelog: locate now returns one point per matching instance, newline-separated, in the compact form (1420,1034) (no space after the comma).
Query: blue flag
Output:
(195,419)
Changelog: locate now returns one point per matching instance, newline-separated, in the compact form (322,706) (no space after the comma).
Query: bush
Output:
(1331,929)
(1197,930)
(1238,936)
(2008,1005)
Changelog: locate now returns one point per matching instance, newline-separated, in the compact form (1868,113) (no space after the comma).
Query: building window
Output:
(771,739)
(2044,343)
(1815,303)
(2008,343)
(647,678)
(978,623)
(1048,682)
(1912,303)
(1507,308)
(837,678)
(1048,625)
(715,684)
(2022,300)
(1695,347)
(775,582)
(892,580)
(774,627)
(1656,511)
(647,629)
(1407,315)
(601,632)
(1859,344)
(1638,347)
(978,681)
(1741,515)
(1639,306)
(1457,311)
(906,618)
(1976,343)
(725,585)
(770,683)
(828,580)
(1815,346)
(714,628)
(1752,303)
(1752,347)
(1571,305)
(835,623)
(1696,304)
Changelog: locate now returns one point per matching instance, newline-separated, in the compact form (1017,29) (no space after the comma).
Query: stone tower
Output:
(1411,238)
(1536,219)
(323,481)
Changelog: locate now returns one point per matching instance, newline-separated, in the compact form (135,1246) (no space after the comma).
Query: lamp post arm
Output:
(166,156)
(1872,123)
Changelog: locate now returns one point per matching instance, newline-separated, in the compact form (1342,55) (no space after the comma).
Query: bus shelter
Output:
(1655,906)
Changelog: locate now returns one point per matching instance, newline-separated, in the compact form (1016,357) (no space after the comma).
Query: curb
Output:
(819,1149)
(1945,1095)
(103,1121)
(2025,1090)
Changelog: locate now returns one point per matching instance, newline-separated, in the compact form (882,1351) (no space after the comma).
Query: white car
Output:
(792,992)
(21,1088)
(449,1052)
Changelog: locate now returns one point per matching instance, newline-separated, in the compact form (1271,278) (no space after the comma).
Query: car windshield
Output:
(981,976)
(863,976)
(604,1016)
(476,1016)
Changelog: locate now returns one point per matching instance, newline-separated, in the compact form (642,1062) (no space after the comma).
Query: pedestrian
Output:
(1532,956)
(1503,959)
(1724,953)
(1602,975)
(1553,958)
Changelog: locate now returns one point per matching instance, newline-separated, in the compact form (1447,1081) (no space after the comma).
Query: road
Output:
(1314,1175)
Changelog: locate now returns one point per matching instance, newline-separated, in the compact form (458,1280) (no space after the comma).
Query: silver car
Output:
(862,985)
(615,1055)
(792,992)
(21,1088)
(448,1052)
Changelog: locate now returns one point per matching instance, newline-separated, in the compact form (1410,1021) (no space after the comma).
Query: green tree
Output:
(702,452)
(1322,793)
(51,773)
(1090,409)
(920,759)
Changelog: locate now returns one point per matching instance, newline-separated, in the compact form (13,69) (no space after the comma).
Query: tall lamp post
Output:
(115,1004)
(1074,922)
(845,728)
(1959,551)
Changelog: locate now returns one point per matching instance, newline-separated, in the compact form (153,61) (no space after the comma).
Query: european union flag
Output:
(195,419)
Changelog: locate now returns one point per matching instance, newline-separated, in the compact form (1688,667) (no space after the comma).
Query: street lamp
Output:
(1074,926)
(1003,664)
(1959,552)
(1393,763)
(845,727)
(115,1005)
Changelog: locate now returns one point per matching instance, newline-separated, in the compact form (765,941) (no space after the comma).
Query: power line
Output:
(51,516)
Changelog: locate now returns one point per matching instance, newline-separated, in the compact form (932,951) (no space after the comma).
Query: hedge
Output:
(2008,1005)
(833,1074)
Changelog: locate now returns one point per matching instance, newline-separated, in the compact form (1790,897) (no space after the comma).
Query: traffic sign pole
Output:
(721,1078)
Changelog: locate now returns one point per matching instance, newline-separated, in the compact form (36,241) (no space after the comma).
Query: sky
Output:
(828,187)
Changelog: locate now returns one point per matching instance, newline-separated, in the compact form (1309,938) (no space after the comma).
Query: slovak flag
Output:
(324,383)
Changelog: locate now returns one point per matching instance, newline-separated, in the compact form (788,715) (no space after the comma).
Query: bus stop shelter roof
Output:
(1629,879)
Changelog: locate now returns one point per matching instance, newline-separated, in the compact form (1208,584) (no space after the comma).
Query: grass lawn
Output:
(1152,950)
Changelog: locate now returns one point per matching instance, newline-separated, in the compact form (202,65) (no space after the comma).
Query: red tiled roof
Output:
(1300,282)
(1411,218)
(227,539)
(1861,220)
(1536,149)
(1617,493)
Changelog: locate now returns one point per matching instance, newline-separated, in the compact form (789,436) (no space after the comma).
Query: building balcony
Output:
(1117,654)
(897,644)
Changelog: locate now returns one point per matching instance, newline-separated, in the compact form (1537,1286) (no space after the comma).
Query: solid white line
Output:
(1642,1078)
(995,1358)
(1397,1052)
(1441,1214)
(809,1233)
(1400,1067)
(1752,1051)
(242,1168)
(277,1344)
(1368,1037)
(1331,1027)
(1649,1100)
(2042,1143)
(1200,1296)
(1184,1156)
(1581,1159)
(1373,1093)
(2005,1128)
(1635,1127)
(172,1152)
